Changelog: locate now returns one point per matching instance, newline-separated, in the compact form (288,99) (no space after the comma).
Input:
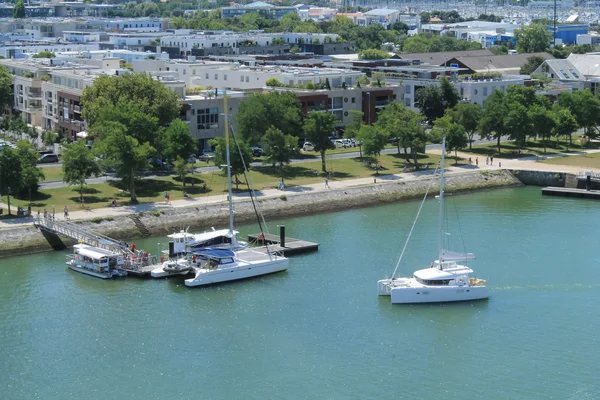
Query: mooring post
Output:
(282,235)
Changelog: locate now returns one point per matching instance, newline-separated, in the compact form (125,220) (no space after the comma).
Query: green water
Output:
(319,330)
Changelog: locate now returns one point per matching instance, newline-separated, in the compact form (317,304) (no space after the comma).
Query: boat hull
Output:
(89,272)
(445,294)
(161,273)
(209,277)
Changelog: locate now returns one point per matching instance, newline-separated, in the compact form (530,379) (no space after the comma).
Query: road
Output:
(201,167)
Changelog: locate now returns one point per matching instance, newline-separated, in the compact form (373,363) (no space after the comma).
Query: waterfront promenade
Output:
(526,163)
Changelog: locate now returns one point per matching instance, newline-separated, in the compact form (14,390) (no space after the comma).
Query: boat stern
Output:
(384,287)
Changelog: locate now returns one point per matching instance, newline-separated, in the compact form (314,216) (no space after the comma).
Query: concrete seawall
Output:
(291,203)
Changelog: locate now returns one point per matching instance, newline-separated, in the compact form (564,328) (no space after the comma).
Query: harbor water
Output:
(319,330)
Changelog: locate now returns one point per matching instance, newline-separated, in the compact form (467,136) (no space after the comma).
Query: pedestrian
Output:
(66,210)
(487,161)
(166,197)
(470,161)
(492,160)
(477,161)
(326,182)
(29,210)
(500,164)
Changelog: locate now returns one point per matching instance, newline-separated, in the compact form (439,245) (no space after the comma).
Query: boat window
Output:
(439,282)
(228,260)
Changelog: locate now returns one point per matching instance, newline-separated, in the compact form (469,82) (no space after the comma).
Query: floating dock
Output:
(285,245)
(571,192)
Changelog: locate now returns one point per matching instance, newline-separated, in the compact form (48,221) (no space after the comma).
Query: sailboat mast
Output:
(441,239)
(228,159)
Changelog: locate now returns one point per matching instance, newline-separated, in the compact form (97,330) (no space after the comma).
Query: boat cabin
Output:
(443,274)
(97,259)
(184,242)
(212,258)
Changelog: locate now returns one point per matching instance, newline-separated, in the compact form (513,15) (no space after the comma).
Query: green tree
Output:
(181,169)
(6,95)
(585,107)
(279,148)
(533,38)
(518,123)
(49,138)
(118,147)
(373,140)
(19,10)
(492,124)
(11,173)
(468,116)
(379,77)
(564,124)
(456,137)
(542,123)
(144,93)
(44,54)
(430,101)
(318,127)
(260,111)
(78,164)
(404,127)
(531,65)
(177,140)
(32,174)
(273,82)
(240,156)
(450,96)
(373,54)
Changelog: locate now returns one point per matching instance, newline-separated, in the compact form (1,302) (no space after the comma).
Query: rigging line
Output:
(414,223)
(258,215)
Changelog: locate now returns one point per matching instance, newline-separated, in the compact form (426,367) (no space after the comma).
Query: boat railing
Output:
(80,234)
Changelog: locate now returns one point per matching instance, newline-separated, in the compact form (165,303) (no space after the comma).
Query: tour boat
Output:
(181,266)
(222,265)
(445,280)
(96,262)
(184,242)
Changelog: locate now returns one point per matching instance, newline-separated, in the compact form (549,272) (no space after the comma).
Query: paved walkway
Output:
(522,163)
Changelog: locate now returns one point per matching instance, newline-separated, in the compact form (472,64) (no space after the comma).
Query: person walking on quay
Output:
(45,213)
(487,161)
(477,161)
(326,182)
(66,212)
(167,200)
(492,160)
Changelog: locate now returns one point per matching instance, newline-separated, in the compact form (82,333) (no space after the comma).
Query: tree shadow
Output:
(145,187)
(38,199)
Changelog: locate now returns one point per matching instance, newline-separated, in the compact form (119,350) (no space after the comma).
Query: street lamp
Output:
(369,108)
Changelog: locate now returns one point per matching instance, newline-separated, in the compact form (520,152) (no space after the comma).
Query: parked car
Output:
(308,146)
(192,159)
(48,158)
(206,157)
(257,151)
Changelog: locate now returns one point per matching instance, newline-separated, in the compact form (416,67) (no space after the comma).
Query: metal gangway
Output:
(50,226)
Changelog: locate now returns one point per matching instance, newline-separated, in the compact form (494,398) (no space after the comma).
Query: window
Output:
(485,91)
(225,77)
(207,77)
(241,78)
(407,102)
(216,77)
(208,118)
(353,100)
(475,91)
(247,79)
(407,91)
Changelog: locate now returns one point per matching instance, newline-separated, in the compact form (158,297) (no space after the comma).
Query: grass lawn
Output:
(589,161)
(153,190)
(53,173)
(531,148)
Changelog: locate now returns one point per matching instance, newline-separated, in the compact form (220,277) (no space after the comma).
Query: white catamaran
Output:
(445,280)
(223,265)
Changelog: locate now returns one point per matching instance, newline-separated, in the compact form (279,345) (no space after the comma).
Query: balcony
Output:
(77,109)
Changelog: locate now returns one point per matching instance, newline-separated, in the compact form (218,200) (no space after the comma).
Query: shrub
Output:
(97,220)
(283,197)
(156,213)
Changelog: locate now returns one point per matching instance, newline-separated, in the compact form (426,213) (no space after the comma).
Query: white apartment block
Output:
(23,50)
(236,40)
(83,37)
